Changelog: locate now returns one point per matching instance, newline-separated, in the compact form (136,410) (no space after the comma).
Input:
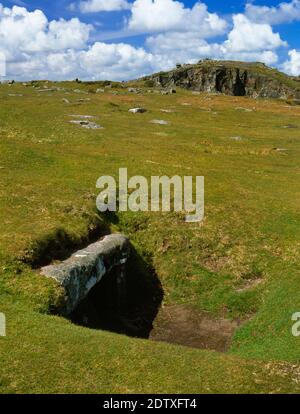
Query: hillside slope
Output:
(240,263)
(231,78)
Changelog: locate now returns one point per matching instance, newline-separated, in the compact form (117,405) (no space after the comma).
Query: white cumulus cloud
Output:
(37,48)
(247,36)
(285,12)
(292,66)
(22,31)
(95,6)
(189,48)
(170,15)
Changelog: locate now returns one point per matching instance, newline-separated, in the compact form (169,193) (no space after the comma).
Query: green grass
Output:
(49,170)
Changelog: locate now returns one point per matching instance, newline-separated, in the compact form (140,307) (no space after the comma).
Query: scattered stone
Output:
(83,116)
(159,122)
(290,126)
(280,149)
(236,138)
(152,162)
(15,94)
(100,90)
(196,93)
(186,104)
(86,124)
(137,110)
(65,100)
(132,90)
(80,91)
(239,108)
(46,90)
(167,111)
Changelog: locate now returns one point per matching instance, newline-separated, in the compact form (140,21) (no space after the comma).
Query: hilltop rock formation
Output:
(230,78)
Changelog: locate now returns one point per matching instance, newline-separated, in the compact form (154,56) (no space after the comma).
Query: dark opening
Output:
(123,302)
(223,83)
(221,79)
(239,86)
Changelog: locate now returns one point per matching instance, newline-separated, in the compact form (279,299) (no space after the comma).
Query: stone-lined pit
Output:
(109,287)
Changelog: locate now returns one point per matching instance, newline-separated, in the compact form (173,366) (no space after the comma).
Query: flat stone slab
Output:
(137,110)
(85,268)
(83,116)
(159,122)
(86,124)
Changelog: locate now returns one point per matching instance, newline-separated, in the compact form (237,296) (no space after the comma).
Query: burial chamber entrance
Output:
(108,286)
(126,301)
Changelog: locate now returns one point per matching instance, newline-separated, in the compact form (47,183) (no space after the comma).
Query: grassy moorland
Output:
(242,262)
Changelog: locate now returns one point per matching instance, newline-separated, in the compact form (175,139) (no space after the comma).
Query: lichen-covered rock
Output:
(230,78)
(85,268)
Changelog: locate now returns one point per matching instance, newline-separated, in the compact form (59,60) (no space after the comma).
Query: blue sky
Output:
(123,39)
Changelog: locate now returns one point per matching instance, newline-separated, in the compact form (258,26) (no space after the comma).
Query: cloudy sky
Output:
(125,39)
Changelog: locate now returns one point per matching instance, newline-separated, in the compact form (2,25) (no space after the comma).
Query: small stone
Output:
(280,149)
(290,126)
(159,122)
(167,111)
(132,90)
(86,124)
(83,116)
(46,90)
(239,108)
(80,91)
(137,110)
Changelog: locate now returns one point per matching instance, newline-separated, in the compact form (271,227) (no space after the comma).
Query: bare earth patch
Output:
(184,325)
